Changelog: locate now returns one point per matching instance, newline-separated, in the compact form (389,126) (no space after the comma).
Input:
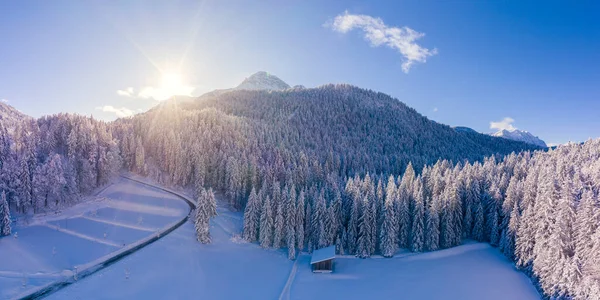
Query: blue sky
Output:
(532,61)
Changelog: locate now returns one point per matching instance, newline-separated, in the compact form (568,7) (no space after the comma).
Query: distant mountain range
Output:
(520,135)
(515,135)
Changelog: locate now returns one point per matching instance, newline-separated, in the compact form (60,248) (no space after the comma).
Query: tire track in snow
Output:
(120,224)
(285,293)
(83,236)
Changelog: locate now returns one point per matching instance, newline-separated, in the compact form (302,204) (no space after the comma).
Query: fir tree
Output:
(4,216)
(279,226)
(432,227)
(266,225)
(291,224)
(389,227)
(417,232)
(252,217)
(300,219)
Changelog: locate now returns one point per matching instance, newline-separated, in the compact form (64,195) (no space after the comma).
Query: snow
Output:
(50,246)
(323,254)
(521,136)
(263,81)
(473,271)
(179,267)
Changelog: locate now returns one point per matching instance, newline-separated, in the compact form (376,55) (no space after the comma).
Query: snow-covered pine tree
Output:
(363,247)
(211,203)
(586,224)
(252,217)
(404,195)
(300,219)
(446,218)
(318,223)
(432,226)
(5,228)
(388,239)
(418,218)
(201,221)
(266,225)
(336,214)
(291,223)
(478,232)
(352,232)
(278,230)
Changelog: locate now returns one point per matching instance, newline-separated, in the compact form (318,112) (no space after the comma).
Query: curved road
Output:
(119,254)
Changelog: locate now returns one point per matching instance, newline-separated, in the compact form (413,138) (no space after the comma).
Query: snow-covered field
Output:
(178,267)
(51,246)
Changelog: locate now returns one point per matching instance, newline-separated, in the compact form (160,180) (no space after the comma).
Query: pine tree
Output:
(291,224)
(318,222)
(4,216)
(417,232)
(352,231)
(404,195)
(586,224)
(266,225)
(279,228)
(300,219)
(211,204)
(363,247)
(252,217)
(479,222)
(432,227)
(389,227)
(202,217)
(336,215)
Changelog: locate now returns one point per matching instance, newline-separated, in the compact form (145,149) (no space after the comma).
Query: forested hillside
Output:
(235,140)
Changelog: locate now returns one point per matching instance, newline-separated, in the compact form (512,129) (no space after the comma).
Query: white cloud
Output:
(401,39)
(120,112)
(435,109)
(128,92)
(4,100)
(506,123)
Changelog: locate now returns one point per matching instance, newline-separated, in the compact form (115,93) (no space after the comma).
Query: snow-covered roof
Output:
(323,254)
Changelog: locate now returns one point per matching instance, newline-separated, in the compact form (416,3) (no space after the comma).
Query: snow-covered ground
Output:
(178,267)
(472,271)
(49,247)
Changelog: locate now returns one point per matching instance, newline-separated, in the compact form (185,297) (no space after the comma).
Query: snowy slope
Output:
(263,81)
(521,136)
(50,246)
(10,116)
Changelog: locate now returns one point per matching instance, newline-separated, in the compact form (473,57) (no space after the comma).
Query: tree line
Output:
(540,209)
(50,162)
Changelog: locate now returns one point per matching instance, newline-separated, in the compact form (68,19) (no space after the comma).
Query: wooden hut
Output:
(322,260)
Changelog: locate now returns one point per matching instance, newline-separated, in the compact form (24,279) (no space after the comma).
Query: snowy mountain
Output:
(521,136)
(263,81)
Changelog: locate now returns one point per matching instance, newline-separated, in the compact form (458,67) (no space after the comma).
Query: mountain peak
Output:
(521,136)
(263,81)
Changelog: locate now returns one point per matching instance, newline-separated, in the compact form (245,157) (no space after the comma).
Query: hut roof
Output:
(323,254)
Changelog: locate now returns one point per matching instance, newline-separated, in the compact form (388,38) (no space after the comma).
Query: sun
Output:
(171,81)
